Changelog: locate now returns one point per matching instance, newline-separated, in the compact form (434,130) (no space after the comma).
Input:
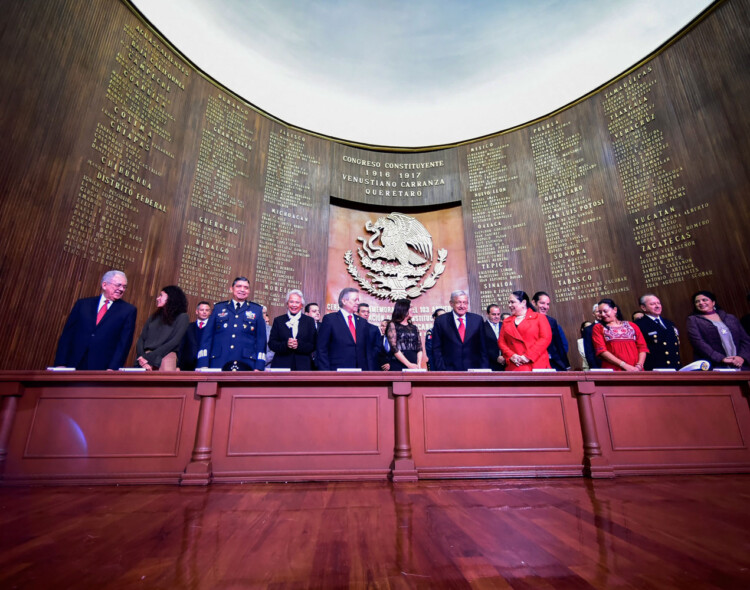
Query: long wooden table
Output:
(198,428)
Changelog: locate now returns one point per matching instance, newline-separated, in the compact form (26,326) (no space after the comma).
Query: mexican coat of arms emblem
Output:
(397,255)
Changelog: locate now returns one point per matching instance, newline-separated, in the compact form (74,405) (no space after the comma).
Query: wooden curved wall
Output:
(116,152)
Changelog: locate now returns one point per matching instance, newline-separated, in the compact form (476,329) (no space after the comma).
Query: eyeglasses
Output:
(119,285)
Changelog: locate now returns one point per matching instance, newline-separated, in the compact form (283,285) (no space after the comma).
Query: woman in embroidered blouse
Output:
(403,338)
(717,336)
(160,339)
(524,336)
(620,345)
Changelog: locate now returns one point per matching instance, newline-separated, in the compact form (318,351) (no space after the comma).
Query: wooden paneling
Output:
(697,421)
(693,424)
(105,424)
(196,429)
(494,427)
(281,424)
(283,427)
(494,422)
(102,431)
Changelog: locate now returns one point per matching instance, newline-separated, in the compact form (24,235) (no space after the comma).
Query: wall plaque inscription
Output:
(494,227)
(285,242)
(216,223)
(129,148)
(664,230)
(579,270)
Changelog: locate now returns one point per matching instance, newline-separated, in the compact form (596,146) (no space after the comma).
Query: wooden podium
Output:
(196,429)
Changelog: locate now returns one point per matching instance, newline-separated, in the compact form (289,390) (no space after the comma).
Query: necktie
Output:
(201,324)
(658,321)
(386,346)
(102,310)
(461,328)
(237,305)
(352,329)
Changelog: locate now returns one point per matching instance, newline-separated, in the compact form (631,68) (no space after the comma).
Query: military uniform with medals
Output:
(663,343)
(234,339)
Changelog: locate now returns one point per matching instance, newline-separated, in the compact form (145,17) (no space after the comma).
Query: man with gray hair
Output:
(99,331)
(662,337)
(457,338)
(588,343)
(293,336)
(343,336)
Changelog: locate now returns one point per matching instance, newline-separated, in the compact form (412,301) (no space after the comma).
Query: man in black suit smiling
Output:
(458,338)
(99,330)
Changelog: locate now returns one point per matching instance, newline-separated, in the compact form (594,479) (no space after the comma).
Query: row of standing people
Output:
(98,332)
(653,341)
(235,336)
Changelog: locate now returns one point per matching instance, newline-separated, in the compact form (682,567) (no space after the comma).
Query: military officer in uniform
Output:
(234,338)
(661,336)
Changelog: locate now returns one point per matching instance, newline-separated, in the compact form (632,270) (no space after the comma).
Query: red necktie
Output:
(352,329)
(201,324)
(102,311)
(461,328)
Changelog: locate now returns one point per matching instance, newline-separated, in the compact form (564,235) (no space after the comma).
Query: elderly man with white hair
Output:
(293,335)
(99,330)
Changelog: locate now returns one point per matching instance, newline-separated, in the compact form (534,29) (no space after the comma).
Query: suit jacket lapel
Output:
(470,325)
(512,329)
(306,326)
(361,327)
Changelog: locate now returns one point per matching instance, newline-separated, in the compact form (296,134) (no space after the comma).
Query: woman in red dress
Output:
(524,336)
(619,344)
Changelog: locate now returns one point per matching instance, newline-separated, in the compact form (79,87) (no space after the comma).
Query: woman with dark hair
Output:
(157,346)
(403,338)
(524,336)
(620,345)
(717,336)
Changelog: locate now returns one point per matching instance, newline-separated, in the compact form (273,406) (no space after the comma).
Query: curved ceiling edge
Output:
(434,147)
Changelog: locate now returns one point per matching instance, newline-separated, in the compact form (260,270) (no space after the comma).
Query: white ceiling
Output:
(415,73)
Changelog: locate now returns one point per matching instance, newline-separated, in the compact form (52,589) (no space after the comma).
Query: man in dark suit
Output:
(588,343)
(662,337)
(491,336)
(313,310)
(428,339)
(192,339)
(99,330)
(458,338)
(293,336)
(343,336)
(376,353)
(234,338)
(558,348)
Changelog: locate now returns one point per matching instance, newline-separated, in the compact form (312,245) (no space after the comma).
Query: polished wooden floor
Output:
(647,532)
